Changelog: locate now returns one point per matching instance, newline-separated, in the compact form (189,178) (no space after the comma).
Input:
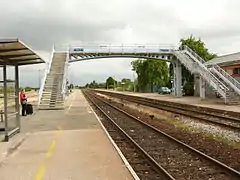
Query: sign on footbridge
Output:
(87,52)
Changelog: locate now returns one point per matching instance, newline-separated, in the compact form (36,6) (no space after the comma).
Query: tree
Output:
(142,78)
(153,73)
(110,82)
(93,84)
(28,89)
(127,84)
(198,46)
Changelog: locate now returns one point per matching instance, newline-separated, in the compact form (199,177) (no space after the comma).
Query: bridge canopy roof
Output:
(15,52)
(225,60)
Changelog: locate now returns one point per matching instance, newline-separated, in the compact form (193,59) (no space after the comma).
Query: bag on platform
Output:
(29,109)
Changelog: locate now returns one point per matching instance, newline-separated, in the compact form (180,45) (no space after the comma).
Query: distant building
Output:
(230,63)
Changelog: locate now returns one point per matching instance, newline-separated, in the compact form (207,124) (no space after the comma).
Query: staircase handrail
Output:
(65,76)
(227,76)
(215,79)
(192,67)
(199,58)
(45,76)
(206,73)
(188,65)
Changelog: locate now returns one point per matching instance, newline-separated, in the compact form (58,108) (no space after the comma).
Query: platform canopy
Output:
(15,52)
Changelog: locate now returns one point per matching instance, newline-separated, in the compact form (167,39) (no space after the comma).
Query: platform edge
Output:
(129,167)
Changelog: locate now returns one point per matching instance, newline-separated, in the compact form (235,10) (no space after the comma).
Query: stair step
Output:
(51,86)
(50,108)
(55,75)
(52,102)
(51,95)
(51,91)
(52,82)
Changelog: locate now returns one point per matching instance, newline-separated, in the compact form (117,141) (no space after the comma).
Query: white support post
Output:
(202,84)
(17,97)
(177,69)
(5,101)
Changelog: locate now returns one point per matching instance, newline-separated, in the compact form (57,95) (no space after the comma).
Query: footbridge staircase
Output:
(221,82)
(52,91)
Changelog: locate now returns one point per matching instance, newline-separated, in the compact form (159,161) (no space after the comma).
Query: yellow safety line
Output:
(71,103)
(41,172)
(42,169)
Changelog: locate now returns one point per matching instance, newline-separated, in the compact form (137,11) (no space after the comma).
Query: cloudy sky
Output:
(42,23)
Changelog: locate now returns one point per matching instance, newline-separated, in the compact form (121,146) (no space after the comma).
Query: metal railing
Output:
(45,77)
(109,48)
(184,60)
(64,84)
(234,83)
(217,84)
(199,58)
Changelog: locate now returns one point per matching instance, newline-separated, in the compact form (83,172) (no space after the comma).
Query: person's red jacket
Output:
(23,97)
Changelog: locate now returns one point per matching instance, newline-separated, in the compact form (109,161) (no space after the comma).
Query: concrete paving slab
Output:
(23,163)
(63,144)
(90,159)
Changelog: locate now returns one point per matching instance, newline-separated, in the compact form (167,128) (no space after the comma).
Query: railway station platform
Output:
(61,145)
(196,101)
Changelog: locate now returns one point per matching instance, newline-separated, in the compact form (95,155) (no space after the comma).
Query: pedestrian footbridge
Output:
(54,84)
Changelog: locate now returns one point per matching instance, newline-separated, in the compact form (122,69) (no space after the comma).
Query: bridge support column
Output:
(202,87)
(177,69)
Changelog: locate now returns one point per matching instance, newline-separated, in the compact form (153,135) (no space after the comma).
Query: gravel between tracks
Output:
(179,162)
(214,130)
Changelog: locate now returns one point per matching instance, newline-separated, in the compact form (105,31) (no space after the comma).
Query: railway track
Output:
(172,155)
(227,119)
(144,165)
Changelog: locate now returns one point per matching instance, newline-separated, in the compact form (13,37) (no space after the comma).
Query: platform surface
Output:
(62,145)
(197,101)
